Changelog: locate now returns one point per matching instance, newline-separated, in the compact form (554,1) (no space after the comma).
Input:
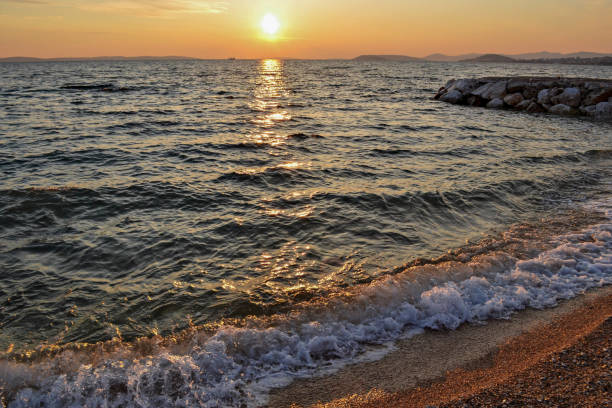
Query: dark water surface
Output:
(135,196)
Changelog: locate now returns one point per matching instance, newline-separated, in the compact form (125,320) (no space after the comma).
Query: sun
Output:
(270,24)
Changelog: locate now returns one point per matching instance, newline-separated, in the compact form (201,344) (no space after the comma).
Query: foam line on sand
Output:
(438,367)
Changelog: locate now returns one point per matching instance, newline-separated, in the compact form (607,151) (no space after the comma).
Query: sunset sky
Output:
(308,28)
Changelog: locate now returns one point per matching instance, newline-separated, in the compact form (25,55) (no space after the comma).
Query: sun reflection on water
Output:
(269,92)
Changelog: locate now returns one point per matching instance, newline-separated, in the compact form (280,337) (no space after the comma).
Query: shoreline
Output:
(439,367)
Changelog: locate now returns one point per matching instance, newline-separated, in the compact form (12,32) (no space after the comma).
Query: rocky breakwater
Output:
(561,96)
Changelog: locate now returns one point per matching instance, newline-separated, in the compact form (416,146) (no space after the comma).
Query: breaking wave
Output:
(236,364)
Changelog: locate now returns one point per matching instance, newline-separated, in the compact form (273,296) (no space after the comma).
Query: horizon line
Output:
(182,57)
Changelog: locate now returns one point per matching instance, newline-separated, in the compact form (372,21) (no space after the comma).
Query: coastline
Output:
(420,360)
(439,367)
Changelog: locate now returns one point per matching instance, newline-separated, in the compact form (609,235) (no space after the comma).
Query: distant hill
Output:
(490,58)
(527,56)
(557,55)
(109,58)
(386,58)
(449,58)
(566,61)
(571,61)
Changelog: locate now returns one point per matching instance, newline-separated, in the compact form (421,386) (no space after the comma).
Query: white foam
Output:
(238,366)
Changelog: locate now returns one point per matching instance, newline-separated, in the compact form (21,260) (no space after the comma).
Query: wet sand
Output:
(478,365)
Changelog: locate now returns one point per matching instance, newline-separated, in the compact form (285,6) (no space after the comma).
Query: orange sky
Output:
(309,28)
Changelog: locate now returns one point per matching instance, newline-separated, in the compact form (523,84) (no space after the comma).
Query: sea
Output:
(197,233)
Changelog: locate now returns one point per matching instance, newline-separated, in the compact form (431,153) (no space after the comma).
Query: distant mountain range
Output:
(544,55)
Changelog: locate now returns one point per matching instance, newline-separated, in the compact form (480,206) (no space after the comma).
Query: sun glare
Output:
(270,24)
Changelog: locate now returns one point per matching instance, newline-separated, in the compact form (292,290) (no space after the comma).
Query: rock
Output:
(465,86)
(597,96)
(496,103)
(535,108)
(524,104)
(530,93)
(517,85)
(588,110)
(513,99)
(603,110)
(547,84)
(561,109)
(544,97)
(441,92)
(569,96)
(474,100)
(561,96)
(491,90)
(452,97)
(593,86)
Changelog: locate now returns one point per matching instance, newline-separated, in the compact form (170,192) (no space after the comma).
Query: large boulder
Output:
(603,110)
(513,99)
(598,95)
(562,109)
(517,85)
(594,86)
(569,96)
(474,100)
(524,104)
(496,103)
(588,110)
(452,97)
(544,96)
(491,90)
(530,92)
(464,86)
(535,108)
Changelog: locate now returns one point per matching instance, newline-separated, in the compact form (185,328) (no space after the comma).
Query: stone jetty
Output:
(560,96)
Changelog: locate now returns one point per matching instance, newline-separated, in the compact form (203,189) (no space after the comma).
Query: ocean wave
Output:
(235,365)
(101,87)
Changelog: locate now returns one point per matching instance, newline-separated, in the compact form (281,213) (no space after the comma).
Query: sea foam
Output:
(237,366)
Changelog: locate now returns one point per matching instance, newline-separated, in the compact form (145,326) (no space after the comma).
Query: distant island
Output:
(490,58)
(577,58)
(544,57)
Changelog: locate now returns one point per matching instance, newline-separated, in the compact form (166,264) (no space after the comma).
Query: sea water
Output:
(256,221)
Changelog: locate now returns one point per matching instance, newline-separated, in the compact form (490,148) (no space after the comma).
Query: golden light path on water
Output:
(290,262)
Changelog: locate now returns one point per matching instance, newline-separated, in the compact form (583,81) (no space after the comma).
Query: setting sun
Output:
(270,24)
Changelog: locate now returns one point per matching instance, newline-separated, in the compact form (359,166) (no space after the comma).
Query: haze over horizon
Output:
(317,29)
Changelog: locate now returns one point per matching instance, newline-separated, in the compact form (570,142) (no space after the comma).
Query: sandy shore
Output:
(477,365)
